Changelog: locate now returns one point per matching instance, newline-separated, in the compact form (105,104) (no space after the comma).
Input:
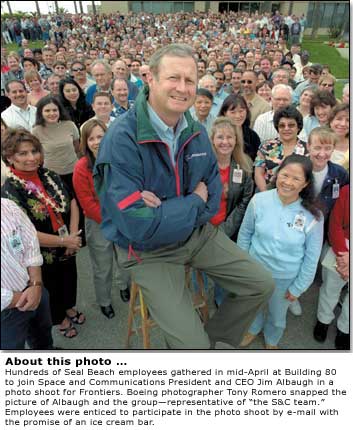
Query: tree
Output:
(56,7)
(37,7)
(316,19)
(345,28)
(9,7)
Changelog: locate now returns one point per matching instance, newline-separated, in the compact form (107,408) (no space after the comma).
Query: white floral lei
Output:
(39,194)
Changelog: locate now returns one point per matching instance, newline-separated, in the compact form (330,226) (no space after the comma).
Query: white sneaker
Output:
(295,308)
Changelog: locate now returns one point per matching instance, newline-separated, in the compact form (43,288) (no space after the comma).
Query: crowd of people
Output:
(161,142)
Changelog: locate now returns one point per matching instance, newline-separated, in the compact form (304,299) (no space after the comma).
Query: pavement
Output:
(99,333)
(344,52)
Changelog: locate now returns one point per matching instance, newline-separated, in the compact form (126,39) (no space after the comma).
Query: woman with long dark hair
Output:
(74,101)
(59,137)
(283,230)
(236,108)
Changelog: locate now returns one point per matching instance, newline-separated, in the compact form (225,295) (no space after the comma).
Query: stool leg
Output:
(132,305)
(145,326)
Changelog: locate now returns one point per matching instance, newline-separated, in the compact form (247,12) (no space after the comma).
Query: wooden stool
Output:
(137,305)
(199,298)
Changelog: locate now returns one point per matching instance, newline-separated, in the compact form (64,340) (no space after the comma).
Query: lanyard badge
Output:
(63,231)
(335,190)
(16,243)
(299,221)
(237,175)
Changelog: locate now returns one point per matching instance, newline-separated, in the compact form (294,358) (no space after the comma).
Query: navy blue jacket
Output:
(335,174)
(132,158)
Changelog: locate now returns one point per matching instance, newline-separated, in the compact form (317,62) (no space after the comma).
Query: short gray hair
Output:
(103,62)
(282,87)
(281,69)
(207,78)
(173,50)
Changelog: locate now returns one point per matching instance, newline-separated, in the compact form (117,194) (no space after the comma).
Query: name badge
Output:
(300,150)
(16,243)
(299,222)
(237,176)
(63,231)
(335,190)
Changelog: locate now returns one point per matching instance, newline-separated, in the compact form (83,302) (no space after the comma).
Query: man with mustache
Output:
(19,113)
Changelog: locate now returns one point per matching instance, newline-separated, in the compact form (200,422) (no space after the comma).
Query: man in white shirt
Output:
(281,97)
(19,113)
(25,313)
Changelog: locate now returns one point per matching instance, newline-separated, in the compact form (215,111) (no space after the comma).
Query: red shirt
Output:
(84,189)
(222,213)
(339,222)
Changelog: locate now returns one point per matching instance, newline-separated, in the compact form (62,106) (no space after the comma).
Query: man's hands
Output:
(342,261)
(152,201)
(29,299)
(201,191)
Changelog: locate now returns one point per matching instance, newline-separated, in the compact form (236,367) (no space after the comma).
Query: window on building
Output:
(188,6)
(319,11)
(340,13)
(331,14)
(136,6)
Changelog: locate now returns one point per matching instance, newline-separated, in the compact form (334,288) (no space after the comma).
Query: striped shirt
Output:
(264,126)
(19,250)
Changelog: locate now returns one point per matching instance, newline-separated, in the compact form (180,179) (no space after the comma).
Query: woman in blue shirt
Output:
(283,230)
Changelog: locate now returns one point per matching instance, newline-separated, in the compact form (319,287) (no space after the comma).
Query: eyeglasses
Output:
(79,69)
(327,85)
(246,81)
(290,126)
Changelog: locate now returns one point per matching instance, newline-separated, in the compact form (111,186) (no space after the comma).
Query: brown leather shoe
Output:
(247,339)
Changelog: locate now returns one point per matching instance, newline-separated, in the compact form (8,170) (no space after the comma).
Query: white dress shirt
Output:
(15,117)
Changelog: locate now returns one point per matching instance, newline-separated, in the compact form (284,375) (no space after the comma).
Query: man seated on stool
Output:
(158,183)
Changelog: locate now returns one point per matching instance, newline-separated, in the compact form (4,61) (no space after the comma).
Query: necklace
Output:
(30,187)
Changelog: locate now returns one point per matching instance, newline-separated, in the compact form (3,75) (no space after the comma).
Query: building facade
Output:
(331,14)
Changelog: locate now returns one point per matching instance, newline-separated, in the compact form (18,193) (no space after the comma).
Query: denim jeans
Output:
(17,327)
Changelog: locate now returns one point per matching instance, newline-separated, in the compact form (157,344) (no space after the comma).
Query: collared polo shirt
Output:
(166,133)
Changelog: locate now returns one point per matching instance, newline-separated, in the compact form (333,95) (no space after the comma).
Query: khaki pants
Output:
(102,254)
(161,276)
